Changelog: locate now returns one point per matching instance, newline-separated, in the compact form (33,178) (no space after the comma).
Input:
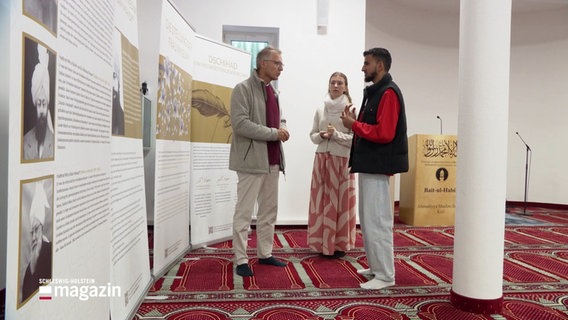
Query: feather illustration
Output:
(208,104)
(211,106)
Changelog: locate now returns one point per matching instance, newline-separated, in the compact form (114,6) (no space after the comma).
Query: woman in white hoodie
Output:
(332,215)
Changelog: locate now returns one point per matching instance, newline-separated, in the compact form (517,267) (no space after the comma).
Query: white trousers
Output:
(252,189)
(377,220)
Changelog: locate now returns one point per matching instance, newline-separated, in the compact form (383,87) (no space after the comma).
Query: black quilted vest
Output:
(371,157)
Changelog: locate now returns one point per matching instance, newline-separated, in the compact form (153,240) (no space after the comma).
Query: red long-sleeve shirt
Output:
(387,118)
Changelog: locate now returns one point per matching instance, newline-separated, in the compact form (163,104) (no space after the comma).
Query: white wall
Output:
(309,60)
(424,42)
(423,38)
(539,112)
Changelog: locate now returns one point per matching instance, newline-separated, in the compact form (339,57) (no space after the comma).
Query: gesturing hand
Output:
(347,117)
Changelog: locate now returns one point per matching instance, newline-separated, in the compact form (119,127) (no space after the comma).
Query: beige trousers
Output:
(252,189)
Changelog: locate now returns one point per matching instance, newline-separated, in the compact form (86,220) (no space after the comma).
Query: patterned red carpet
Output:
(204,286)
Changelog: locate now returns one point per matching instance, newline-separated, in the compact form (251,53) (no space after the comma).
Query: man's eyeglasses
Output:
(276,63)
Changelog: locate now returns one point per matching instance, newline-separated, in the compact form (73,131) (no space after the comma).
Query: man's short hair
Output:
(380,54)
(264,54)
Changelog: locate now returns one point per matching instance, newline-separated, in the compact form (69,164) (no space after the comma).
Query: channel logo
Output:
(45,293)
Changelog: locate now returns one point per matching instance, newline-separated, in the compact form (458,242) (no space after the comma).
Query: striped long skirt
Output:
(332,214)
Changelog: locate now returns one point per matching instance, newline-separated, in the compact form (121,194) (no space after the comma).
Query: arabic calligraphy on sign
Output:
(440,148)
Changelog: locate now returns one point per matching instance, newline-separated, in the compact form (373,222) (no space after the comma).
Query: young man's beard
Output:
(371,77)
(40,129)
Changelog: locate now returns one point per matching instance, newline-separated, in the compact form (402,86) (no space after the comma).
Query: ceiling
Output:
(519,6)
(436,22)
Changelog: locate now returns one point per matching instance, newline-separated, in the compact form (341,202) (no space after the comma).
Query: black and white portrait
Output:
(117,96)
(36,235)
(38,102)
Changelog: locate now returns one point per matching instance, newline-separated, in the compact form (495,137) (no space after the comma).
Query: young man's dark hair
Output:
(380,54)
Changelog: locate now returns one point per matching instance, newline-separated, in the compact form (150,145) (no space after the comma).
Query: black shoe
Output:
(244,270)
(338,254)
(272,261)
(335,255)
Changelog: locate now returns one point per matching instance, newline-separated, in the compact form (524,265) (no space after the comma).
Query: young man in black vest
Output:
(379,150)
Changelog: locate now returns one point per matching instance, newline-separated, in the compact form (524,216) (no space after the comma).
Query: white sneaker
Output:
(376,284)
(365,272)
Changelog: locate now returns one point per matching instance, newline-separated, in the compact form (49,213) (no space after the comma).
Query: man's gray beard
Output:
(40,129)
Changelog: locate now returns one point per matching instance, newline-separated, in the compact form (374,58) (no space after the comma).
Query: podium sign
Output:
(428,189)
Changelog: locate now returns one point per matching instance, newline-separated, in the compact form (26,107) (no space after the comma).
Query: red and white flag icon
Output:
(45,293)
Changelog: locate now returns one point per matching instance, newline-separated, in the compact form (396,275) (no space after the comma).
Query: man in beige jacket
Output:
(257,157)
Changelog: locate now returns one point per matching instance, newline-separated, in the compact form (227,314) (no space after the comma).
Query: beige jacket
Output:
(249,152)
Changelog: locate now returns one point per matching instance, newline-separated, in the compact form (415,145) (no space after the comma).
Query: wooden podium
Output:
(428,189)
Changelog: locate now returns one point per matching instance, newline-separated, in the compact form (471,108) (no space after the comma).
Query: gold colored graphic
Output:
(428,189)
(132,98)
(212,121)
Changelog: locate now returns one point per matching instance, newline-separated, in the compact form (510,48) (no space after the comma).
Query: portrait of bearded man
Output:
(39,140)
(37,241)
